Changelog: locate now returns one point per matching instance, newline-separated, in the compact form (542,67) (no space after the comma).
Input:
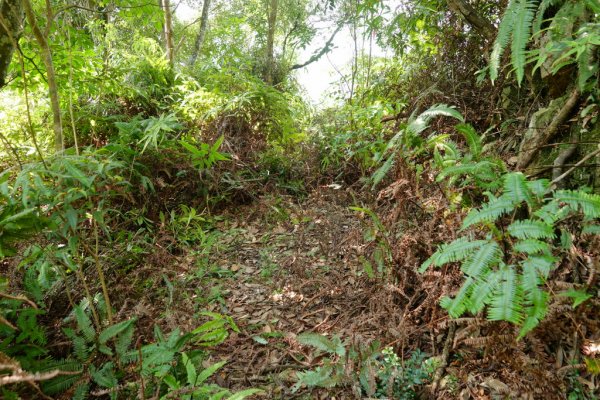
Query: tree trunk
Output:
(168,31)
(201,33)
(270,57)
(52,84)
(11,13)
(483,26)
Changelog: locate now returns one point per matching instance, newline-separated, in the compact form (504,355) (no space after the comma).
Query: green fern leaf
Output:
(516,189)
(472,138)
(383,170)
(502,37)
(455,251)
(105,376)
(535,312)
(588,203)
(539,17)
(80,348)
(81,392)
(483,290)
(539,187)
(506,300)
(591,230)
(531,246)
(490,212)
(113,330)
(208,372)
(322,343)
(478,169)
(421,123)
(530,229)
(553,211)
(458,305)
(84,324)
(482,260)
(520,36)
(542,265)
(123,343)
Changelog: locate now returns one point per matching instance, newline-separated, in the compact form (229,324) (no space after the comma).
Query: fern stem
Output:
(101,276)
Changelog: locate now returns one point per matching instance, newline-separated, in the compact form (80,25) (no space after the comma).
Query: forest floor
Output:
(280,267)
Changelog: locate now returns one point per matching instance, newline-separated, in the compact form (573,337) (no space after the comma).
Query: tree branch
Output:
(321,53)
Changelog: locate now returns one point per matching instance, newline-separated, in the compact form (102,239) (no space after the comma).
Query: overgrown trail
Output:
(292,268)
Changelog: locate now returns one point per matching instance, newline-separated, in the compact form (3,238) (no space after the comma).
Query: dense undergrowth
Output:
(491,252)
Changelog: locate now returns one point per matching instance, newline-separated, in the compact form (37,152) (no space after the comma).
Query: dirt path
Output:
(291,268)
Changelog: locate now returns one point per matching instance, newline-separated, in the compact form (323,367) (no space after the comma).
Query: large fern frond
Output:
(502,37)
(531,246)
(490,211)
(588,203)
(535,312)
(506,303)
(541,264)
(458,305)
(472,138)
(531,229)
(421,123)
(483,290)
(457,250)
(521,33)
(516,189)
(482,260)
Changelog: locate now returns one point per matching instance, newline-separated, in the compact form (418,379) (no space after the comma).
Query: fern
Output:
(84,324)
(588,203)
(531,246)
(455,251)
(530,229)
(483,291)
(542,265)
(458,305)
(490,212)
(421,123)
(506,303)
(472,138)
(516,25)
(334,346)
(502,37)
(482,260)
(516,189)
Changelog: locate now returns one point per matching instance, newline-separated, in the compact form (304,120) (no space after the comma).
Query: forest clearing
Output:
(299,199)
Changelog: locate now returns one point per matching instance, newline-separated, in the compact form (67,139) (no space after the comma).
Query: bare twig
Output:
(568,172)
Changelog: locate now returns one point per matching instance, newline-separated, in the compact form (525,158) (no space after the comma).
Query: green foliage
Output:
(510,282)
(205,156)
(375,373)
(571,35)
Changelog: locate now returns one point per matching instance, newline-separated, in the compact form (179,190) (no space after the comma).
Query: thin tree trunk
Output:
(168,31)
(270,57)
(52,84)
(201,33)
(12,14)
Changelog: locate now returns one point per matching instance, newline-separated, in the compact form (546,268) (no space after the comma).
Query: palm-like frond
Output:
(502,37)
(482,260)
(521,33)
(506,301)
(531,229)
(588,203)
(516,189)
(531,246)
(455,251)
(473,139)
(490,212)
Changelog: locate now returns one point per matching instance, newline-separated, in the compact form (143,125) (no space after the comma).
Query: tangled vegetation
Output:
(179,221)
